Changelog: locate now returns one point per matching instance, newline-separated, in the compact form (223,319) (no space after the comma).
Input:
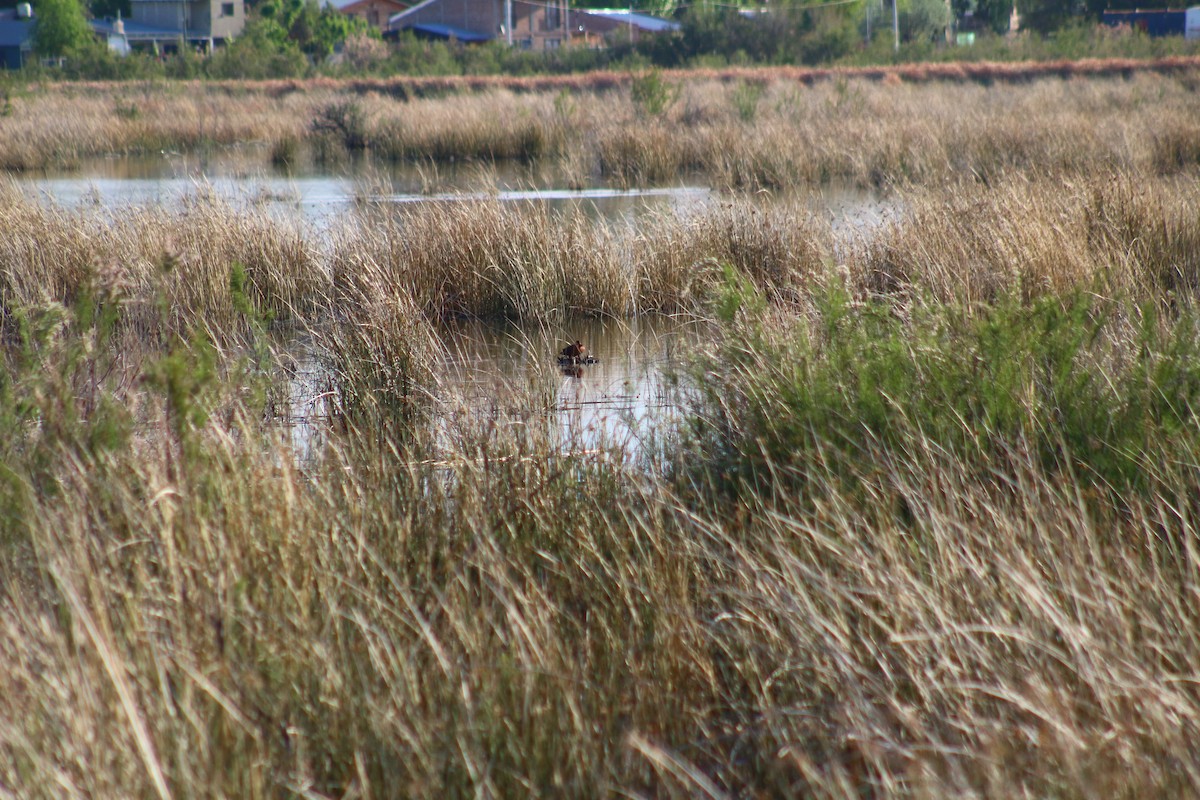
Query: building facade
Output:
(205,22)
(538,25)
(375,13)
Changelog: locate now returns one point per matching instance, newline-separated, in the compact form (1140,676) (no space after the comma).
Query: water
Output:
(492,374)
(319,195)
(507,374)
(618,400)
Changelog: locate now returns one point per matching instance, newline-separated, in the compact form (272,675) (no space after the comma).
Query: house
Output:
(163,24)
(376,13)
(1157,22)
(528,24)
(620,23)
(16,36)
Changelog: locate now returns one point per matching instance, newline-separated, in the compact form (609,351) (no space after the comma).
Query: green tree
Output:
(787,35)
(921,20)
(1047,16)
(995,14)
(316,30)
(262,51)
(59,28)
(101,9)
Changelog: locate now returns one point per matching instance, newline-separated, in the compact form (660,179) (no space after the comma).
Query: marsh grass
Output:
(1113,233)
(778,245)
(929,528)
(747,130)
(493,126)
(207,263)
(485,258)
(506,619)
(1093,389)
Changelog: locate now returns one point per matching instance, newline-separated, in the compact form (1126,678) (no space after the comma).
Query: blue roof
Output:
(15,34)
(440,31)
(643,21)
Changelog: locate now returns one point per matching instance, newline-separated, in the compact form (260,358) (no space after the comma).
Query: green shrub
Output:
(652,94)
(1067,381)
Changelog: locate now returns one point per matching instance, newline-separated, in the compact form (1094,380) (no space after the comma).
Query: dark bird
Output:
(574,352)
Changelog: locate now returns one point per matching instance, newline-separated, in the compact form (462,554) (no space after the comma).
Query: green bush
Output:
(1066,380)
(651,94)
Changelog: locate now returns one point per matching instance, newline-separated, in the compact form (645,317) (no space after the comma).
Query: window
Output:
(552,44)
(553,18)
(226,9)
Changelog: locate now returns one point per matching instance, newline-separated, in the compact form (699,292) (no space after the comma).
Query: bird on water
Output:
(574,353)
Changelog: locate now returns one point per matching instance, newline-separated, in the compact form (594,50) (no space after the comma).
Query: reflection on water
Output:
(618,400)
(506,375)
(321,193)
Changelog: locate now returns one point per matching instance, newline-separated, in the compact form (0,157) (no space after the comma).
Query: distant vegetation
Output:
(742,129)
(301,38)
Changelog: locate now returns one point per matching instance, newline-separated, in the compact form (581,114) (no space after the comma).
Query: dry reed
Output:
(1110,233)
(558,626)
(427,612)
(791,128)
(206,264)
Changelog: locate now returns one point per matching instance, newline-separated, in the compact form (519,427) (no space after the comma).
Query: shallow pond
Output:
(319,194)
(489,370)
(615,400)
(507,375)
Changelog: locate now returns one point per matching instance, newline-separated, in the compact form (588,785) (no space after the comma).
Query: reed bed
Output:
(1113,234)
(217,263)
(210,263)
(57,127)
(445,129)
(212,619)
(924,526)
(484,259)
(743,130)
(490,258)
(487,258)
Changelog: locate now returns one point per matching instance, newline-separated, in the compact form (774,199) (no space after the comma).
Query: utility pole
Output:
(507,21)
(896,25)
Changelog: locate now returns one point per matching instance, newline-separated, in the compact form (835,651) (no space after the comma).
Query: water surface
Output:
(319,194)
(492,373)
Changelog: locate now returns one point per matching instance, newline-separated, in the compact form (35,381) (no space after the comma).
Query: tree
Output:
(60,27)
(921,20)
(1047,16)
(262,51)
(109,8)
(315,29)
(993,14)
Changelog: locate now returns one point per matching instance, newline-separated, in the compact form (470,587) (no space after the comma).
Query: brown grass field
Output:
(925,526)
(744,130)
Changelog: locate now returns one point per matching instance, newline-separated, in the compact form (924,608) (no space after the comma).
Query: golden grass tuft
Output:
(911,124)
(452,597)
(485,258)
(186,260)
(1111,234)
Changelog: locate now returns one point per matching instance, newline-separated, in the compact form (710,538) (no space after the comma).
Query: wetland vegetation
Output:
(924,523)
(741,129)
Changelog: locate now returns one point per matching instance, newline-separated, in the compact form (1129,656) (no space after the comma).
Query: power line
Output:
(802,3)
